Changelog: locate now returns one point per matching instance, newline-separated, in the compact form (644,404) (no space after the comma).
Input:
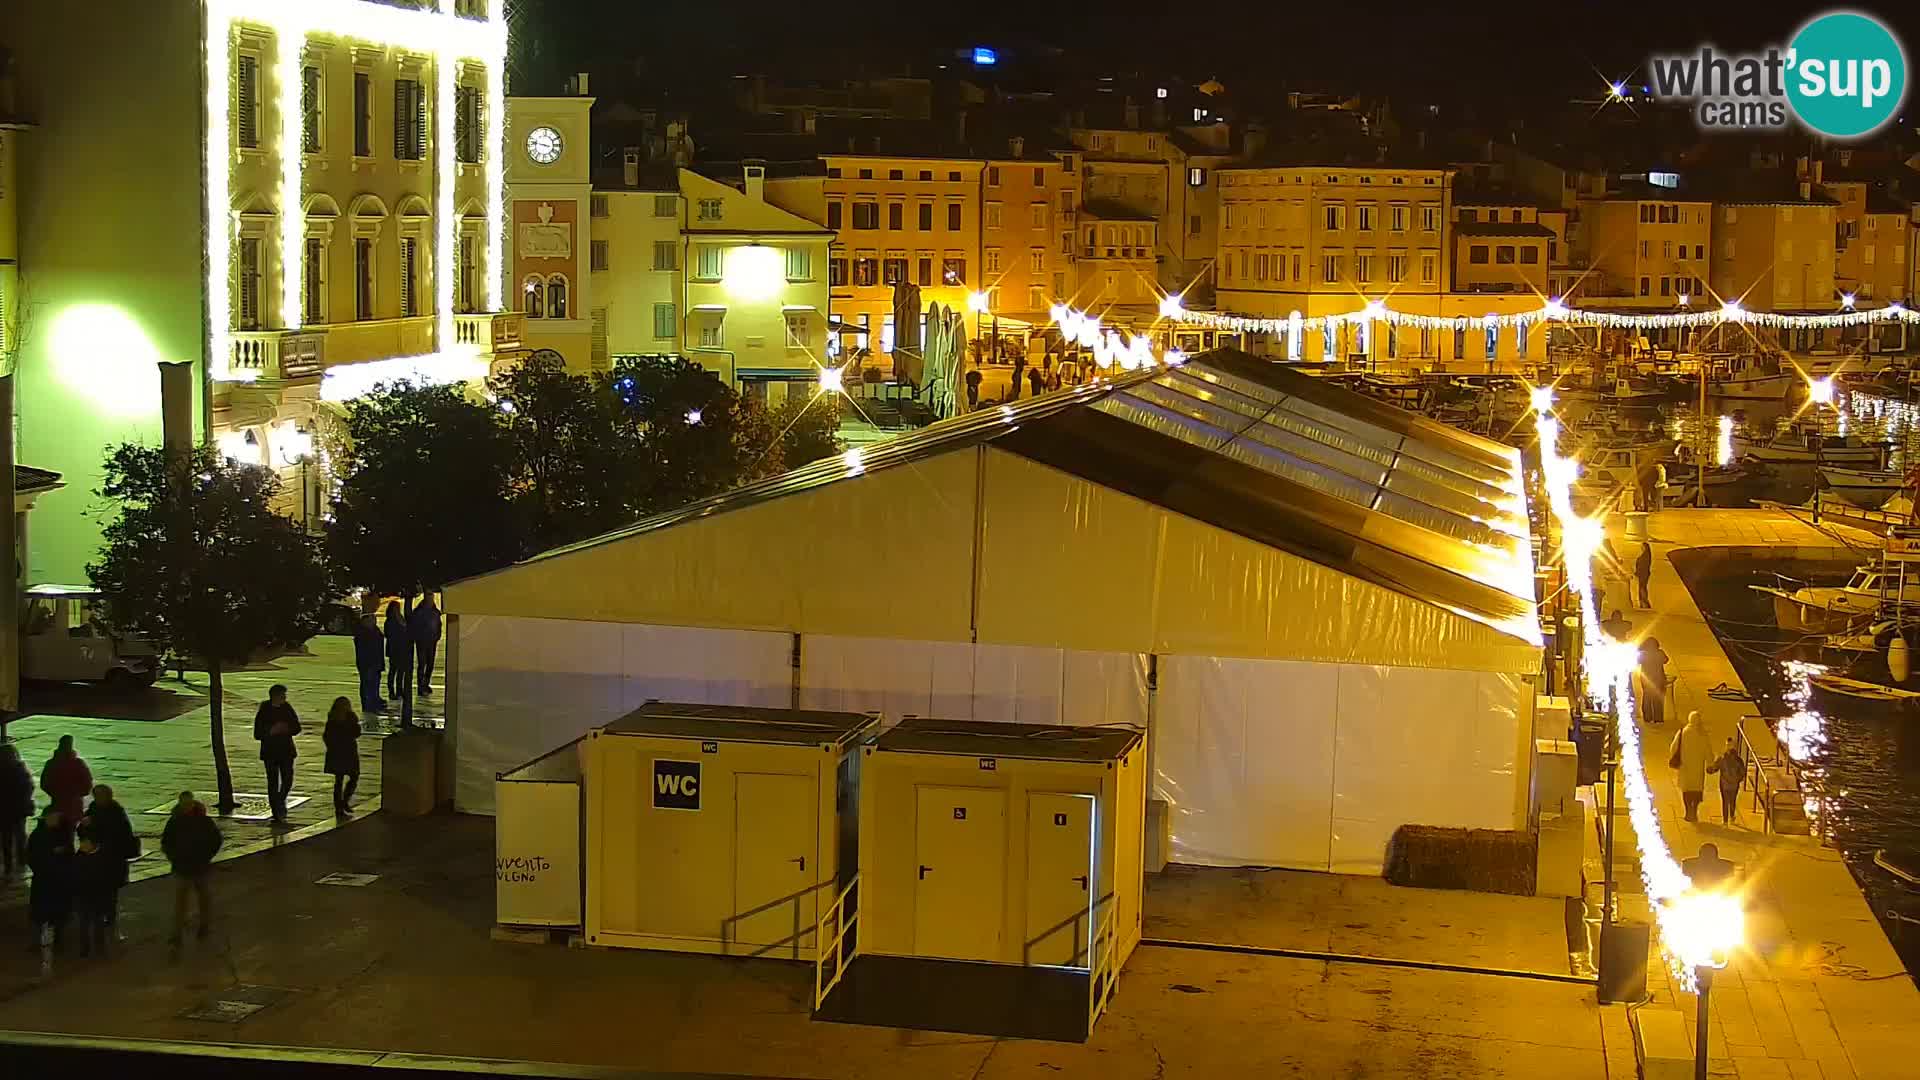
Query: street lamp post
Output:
(1703,977)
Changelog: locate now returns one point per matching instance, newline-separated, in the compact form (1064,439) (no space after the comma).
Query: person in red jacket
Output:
(67,781)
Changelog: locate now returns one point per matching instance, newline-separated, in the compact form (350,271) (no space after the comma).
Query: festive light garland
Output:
(1294,324)
(1696,928)
(1110,350)
(446,36)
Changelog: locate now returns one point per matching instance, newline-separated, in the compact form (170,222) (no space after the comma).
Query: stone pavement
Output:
(152,745)
(1819,992)
(405,963)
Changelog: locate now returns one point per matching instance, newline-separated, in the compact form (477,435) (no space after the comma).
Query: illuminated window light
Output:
(349,381)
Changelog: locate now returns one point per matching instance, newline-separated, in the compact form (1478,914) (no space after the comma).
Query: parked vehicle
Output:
(64,638)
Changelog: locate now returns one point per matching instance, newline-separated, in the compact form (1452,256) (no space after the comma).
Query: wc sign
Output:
(676,785)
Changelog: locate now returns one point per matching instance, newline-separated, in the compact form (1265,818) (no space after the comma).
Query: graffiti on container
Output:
(520,869)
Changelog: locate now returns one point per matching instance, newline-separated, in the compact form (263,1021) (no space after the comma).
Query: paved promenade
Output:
(1819,992)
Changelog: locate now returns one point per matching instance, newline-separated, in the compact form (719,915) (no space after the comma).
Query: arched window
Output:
(557,296)
(535,300)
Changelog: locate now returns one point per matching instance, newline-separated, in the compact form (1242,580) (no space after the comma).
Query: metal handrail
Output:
(1100,973)
(836,914)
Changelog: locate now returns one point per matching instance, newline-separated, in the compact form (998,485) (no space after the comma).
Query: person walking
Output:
(424,627)
(189,842)
(1643,572)
(50,899)
(93,887)
(1688,758)
(16,806)
(1731,765)
(1037,379)
(370,659)
(106,823)
(399,649)
(342,739)
(67,780)
(1653,682)
(973,387)
(1019,375)
(274,726)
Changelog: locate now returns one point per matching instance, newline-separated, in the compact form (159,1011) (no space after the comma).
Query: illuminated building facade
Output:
(299,199)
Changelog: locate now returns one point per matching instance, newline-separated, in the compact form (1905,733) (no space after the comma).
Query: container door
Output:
(959,900)
(1059,878)
(775,862)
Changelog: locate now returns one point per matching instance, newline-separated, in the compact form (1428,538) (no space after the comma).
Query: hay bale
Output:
(1477,860)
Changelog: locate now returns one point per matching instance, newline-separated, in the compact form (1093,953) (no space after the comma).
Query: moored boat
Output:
(1861,486)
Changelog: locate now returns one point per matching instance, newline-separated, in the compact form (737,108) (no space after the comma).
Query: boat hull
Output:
(1763,388)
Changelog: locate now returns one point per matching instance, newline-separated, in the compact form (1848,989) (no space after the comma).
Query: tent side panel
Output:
(768,566)
(527,685)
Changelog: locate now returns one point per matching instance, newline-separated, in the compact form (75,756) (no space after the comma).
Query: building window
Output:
(709,209)
(866,174)
(362,114)
(597,206)
(1396,268)
(1530,255)
(1646,248)
(1477,254)
(1520,339)
(799,264)
(893,270)
(1460,339)
(993,260)
(993,176)
(896,174)
(1329,268)
(409,268)
(1727,248)
(1193,224)
(1366,217)
(1646,286)
(833,216)
(836,271)
(663,255)
(926,174)
(953,217)
(799,330)
(664,326)
(1429,269)
(1196,177)
(1038,215)
(713,332)
(1363,267)
(246,100)
(1397,217)
(363,278)
(1699,251)
(833,172)
(923,270)
(310,98)
(1336,217)
(247,270)
(866,215)
(409,120)
(926,216)
(992,215)
(866,269)
(1037,261)
(710,262)
(313,283)
(1731,216)
(1491,343)
(953,271)
(467,133)
(666,205)
(896,212)
(953,177)
(1503,255)
(1666,286)
(597,253)
(557,296)
(1066,202)
(536,296)
(1429,218)
(468,267)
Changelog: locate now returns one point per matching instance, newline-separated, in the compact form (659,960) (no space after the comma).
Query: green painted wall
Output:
(110,242)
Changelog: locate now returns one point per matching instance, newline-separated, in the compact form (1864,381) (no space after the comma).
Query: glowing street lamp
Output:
(832,381)
(1541,399)
(1820,391)
(1701,929)
(1846,301)
(977,302)
(1170,306)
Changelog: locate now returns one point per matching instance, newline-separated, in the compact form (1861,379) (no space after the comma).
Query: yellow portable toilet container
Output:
(1014,847)
(718,829)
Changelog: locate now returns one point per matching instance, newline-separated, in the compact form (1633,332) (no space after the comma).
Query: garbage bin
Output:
(1637,525)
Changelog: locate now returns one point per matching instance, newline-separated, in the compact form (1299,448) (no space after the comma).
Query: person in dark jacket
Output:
(973,387)
(342,739)
(50,900)
(93,886)
(399,648)
(111,831)
(370,658)
(1643,573)
(1732,767)
(67,780)
(16,806)
(189,841)
(274,726)
(1036,379)
(424,627)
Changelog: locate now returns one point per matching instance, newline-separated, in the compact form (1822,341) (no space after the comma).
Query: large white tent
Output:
(1319,606)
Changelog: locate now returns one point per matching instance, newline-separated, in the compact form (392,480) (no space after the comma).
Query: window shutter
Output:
(401,113)
(246,90)
(419,122)
(310,110)
(598,346)
(406,277)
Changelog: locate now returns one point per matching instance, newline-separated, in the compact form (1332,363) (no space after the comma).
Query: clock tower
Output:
(550,224)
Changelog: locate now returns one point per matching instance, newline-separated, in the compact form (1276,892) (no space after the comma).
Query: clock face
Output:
(543,145)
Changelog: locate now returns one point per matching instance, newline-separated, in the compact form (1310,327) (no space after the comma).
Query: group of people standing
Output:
(407,642)
(78,850)
(275,725)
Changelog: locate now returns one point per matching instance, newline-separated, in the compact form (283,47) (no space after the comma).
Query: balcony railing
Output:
(277,354)
(491,332)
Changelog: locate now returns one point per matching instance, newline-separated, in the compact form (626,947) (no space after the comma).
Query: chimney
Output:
(1016,147)
(756,186)
(959,128)
(630,166)
(1806,190)
(1819,171)
(1133,115)
(578,85)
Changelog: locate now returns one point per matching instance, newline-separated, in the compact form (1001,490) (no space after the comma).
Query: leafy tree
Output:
(694,433)
(195,561)
(808,429)
(574,449)
(424,494)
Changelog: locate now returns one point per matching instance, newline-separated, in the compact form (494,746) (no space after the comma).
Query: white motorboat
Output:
(1822,609)
(1752,387)
(1861,487)
(1809,447)
(1636,394)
